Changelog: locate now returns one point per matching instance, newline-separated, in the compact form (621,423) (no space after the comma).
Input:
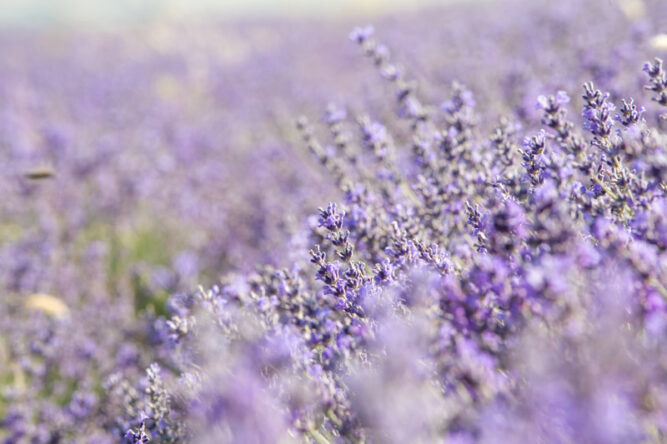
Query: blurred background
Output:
(101,12)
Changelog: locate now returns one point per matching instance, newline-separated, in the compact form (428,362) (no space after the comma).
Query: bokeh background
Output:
(98,12)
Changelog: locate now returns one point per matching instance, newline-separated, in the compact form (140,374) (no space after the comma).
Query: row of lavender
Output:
(494,270)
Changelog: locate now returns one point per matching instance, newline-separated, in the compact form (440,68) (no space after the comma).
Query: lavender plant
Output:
(492,266)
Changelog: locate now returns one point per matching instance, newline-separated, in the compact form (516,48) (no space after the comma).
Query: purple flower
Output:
(562,98)
(361,34)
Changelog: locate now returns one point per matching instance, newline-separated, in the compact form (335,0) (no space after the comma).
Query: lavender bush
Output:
(491,267)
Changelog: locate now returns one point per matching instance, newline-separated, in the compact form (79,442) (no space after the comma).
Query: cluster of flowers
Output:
(125,159)
(485,275)
(487,291)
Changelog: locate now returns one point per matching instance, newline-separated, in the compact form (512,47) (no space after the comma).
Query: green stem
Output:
(658,286)
(318,437)
(605,188)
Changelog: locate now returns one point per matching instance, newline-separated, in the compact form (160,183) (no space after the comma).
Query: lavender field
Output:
(447,225)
